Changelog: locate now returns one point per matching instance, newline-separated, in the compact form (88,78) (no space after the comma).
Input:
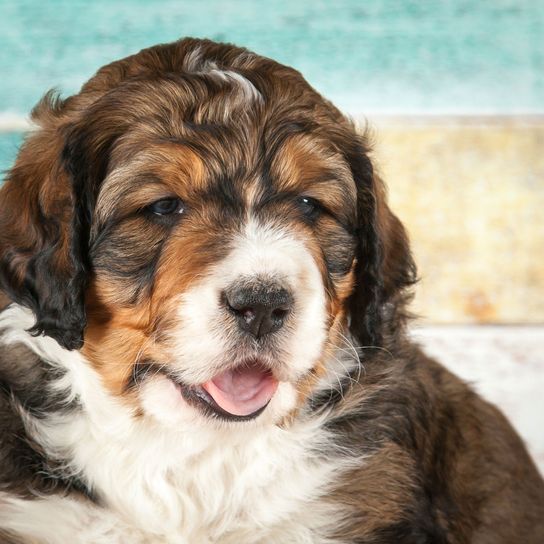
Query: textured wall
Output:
(471,192)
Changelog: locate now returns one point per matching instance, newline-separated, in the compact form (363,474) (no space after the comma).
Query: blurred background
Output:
(453,91)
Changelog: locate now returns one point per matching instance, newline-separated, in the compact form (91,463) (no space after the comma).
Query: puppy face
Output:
(221,262)
(217,223)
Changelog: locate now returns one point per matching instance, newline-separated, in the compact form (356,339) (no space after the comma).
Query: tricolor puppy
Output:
(203,336)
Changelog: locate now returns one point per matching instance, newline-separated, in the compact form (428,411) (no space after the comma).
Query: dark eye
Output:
(309,206)
(167,206)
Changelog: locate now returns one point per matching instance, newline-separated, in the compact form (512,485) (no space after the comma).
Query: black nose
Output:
(259,309)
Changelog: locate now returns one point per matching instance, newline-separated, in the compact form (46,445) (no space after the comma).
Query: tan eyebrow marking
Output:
(303,160)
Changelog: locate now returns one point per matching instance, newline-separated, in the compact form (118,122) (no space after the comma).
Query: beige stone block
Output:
(471,193)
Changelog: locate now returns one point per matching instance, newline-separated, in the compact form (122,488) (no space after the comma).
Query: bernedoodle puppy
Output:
(203,337)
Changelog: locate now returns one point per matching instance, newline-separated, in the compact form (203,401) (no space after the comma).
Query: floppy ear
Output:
(385,267)
(43,240)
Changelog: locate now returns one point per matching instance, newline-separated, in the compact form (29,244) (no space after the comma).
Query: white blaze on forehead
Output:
(270,251)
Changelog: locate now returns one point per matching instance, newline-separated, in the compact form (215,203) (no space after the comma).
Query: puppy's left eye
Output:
(310,207)
(167,206)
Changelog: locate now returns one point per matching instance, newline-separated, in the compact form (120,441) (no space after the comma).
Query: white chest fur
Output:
(262,487)
(192,485)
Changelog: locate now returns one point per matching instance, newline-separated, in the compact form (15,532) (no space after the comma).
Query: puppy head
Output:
(205,228)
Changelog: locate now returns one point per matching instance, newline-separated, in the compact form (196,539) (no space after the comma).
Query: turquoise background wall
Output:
(374,56)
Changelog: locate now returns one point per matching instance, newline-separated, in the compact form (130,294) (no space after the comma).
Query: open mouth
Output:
(237,394)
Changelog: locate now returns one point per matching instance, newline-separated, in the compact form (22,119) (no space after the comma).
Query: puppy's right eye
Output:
(309,207)
(166,206)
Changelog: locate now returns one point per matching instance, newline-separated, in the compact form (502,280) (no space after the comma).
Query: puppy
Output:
(204,335)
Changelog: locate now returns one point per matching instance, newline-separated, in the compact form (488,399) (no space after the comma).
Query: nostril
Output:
(279,314)
(241,311)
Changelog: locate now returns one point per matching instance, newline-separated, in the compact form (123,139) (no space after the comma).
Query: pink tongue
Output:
(242,391)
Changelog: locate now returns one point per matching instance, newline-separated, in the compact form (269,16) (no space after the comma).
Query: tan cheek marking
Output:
(117,337)
(184,262)
(114,339)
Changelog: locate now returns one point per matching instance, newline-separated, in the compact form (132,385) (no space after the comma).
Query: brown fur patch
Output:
(377,495)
